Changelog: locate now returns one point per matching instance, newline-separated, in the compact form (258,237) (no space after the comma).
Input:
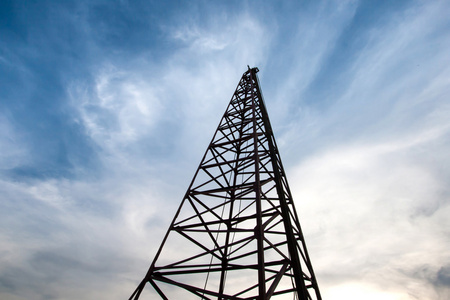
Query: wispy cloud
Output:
(122,113)
(372,214)
(373,188)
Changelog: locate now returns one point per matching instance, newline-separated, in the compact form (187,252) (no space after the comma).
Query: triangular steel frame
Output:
(236,234)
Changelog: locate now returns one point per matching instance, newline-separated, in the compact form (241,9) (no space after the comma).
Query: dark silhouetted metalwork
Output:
(236,234)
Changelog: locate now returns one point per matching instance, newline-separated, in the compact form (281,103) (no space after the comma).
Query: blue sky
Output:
(106,108)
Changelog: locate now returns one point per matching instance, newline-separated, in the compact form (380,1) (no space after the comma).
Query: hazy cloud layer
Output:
(107,107)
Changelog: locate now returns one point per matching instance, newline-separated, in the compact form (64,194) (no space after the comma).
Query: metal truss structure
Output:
(236,234)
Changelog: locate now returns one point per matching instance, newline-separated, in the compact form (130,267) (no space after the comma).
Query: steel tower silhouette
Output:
(236,234)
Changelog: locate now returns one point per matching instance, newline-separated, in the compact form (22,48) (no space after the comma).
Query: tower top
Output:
(255,68)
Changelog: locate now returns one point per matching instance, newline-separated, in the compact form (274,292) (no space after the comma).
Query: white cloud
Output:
(354,291)
(12,142)
(369,172)
(200,41)
(401,53)
(396,84)
(240,35)
(170,104)
(66,233)
(373,210)
(314,38)
(121,109)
